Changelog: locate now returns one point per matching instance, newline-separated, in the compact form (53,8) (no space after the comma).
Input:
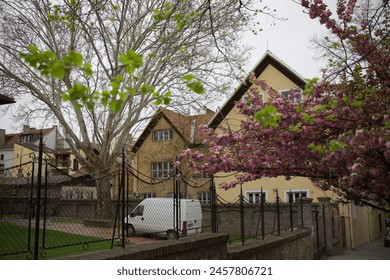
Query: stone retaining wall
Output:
(295,245)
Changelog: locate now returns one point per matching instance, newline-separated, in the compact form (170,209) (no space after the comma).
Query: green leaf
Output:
(131,60)
(77,92)
(88,70)
(335,145)
(188,77)
(196,87)
(115,105)
(180,24)
(268,116)
(316,148)
(76,58)
(131,91)
(307,118)
(58,70)
(295,128)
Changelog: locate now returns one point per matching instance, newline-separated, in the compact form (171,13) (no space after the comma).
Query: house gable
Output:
(157,118)
(270,69)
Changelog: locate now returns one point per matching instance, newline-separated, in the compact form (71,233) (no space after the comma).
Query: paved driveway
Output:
(374,250)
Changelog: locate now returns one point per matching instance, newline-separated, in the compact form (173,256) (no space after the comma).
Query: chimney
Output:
(2,136)
(203,111)
(26,128)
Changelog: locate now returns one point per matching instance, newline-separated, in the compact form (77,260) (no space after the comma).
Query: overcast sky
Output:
(289,40)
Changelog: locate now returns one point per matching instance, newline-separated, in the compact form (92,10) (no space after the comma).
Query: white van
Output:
(157,216)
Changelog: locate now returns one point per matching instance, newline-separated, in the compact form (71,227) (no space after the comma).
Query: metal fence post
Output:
(278,210)
(290,200)
(242,217)
(214,212)
(317,232)
(301,199)
(324,223)
(177,201)
(38,204)
(44,207)
(262,201)
(123,198)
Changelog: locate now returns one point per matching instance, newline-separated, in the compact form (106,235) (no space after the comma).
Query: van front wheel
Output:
(130,231)
(171,235)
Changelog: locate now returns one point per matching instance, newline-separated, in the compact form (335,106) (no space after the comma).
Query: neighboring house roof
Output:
(268,59)
(32,144)
(187,127)
(11,139)
(46,150)
(6,99)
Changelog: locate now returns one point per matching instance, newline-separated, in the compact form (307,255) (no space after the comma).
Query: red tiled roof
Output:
(186,126)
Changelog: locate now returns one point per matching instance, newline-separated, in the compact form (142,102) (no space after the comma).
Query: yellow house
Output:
(365,225)
(282,79)
(18,149)
(166,135)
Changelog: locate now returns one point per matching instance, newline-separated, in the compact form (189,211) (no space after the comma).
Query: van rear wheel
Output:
(171,235)
(130,231)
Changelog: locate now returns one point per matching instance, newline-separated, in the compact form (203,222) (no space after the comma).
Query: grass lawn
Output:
(14,238)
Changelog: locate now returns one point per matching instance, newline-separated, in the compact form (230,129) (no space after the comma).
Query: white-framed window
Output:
(161,170)
(163,135)
(2,157)
(149,195)
(201,175)
(296,194)
(26,138)
(204,197)
(1,168)
(255,195)
(172,195)
(292,95)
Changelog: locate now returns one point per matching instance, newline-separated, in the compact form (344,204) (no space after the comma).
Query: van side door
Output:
(137,218)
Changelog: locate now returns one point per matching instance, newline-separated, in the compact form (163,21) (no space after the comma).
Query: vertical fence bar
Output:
(262,201)
(38,204)
(290,200)
(317,230)
(117,220)
(122,186)
(31,205)
(127,192)
(324,223)
(242,217)
(214,213)
(278,210)
(177,201)
(44,212)
(301,198)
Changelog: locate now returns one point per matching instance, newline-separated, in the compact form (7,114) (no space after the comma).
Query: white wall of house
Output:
(6,158)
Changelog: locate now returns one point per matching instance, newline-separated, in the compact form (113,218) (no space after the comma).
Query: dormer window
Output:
(292,95)
(26,138)
(162,135)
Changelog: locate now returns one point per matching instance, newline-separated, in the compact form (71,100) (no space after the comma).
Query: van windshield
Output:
(139,211)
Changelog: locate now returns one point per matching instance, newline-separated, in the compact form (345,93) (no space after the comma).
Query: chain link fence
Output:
(42,207)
